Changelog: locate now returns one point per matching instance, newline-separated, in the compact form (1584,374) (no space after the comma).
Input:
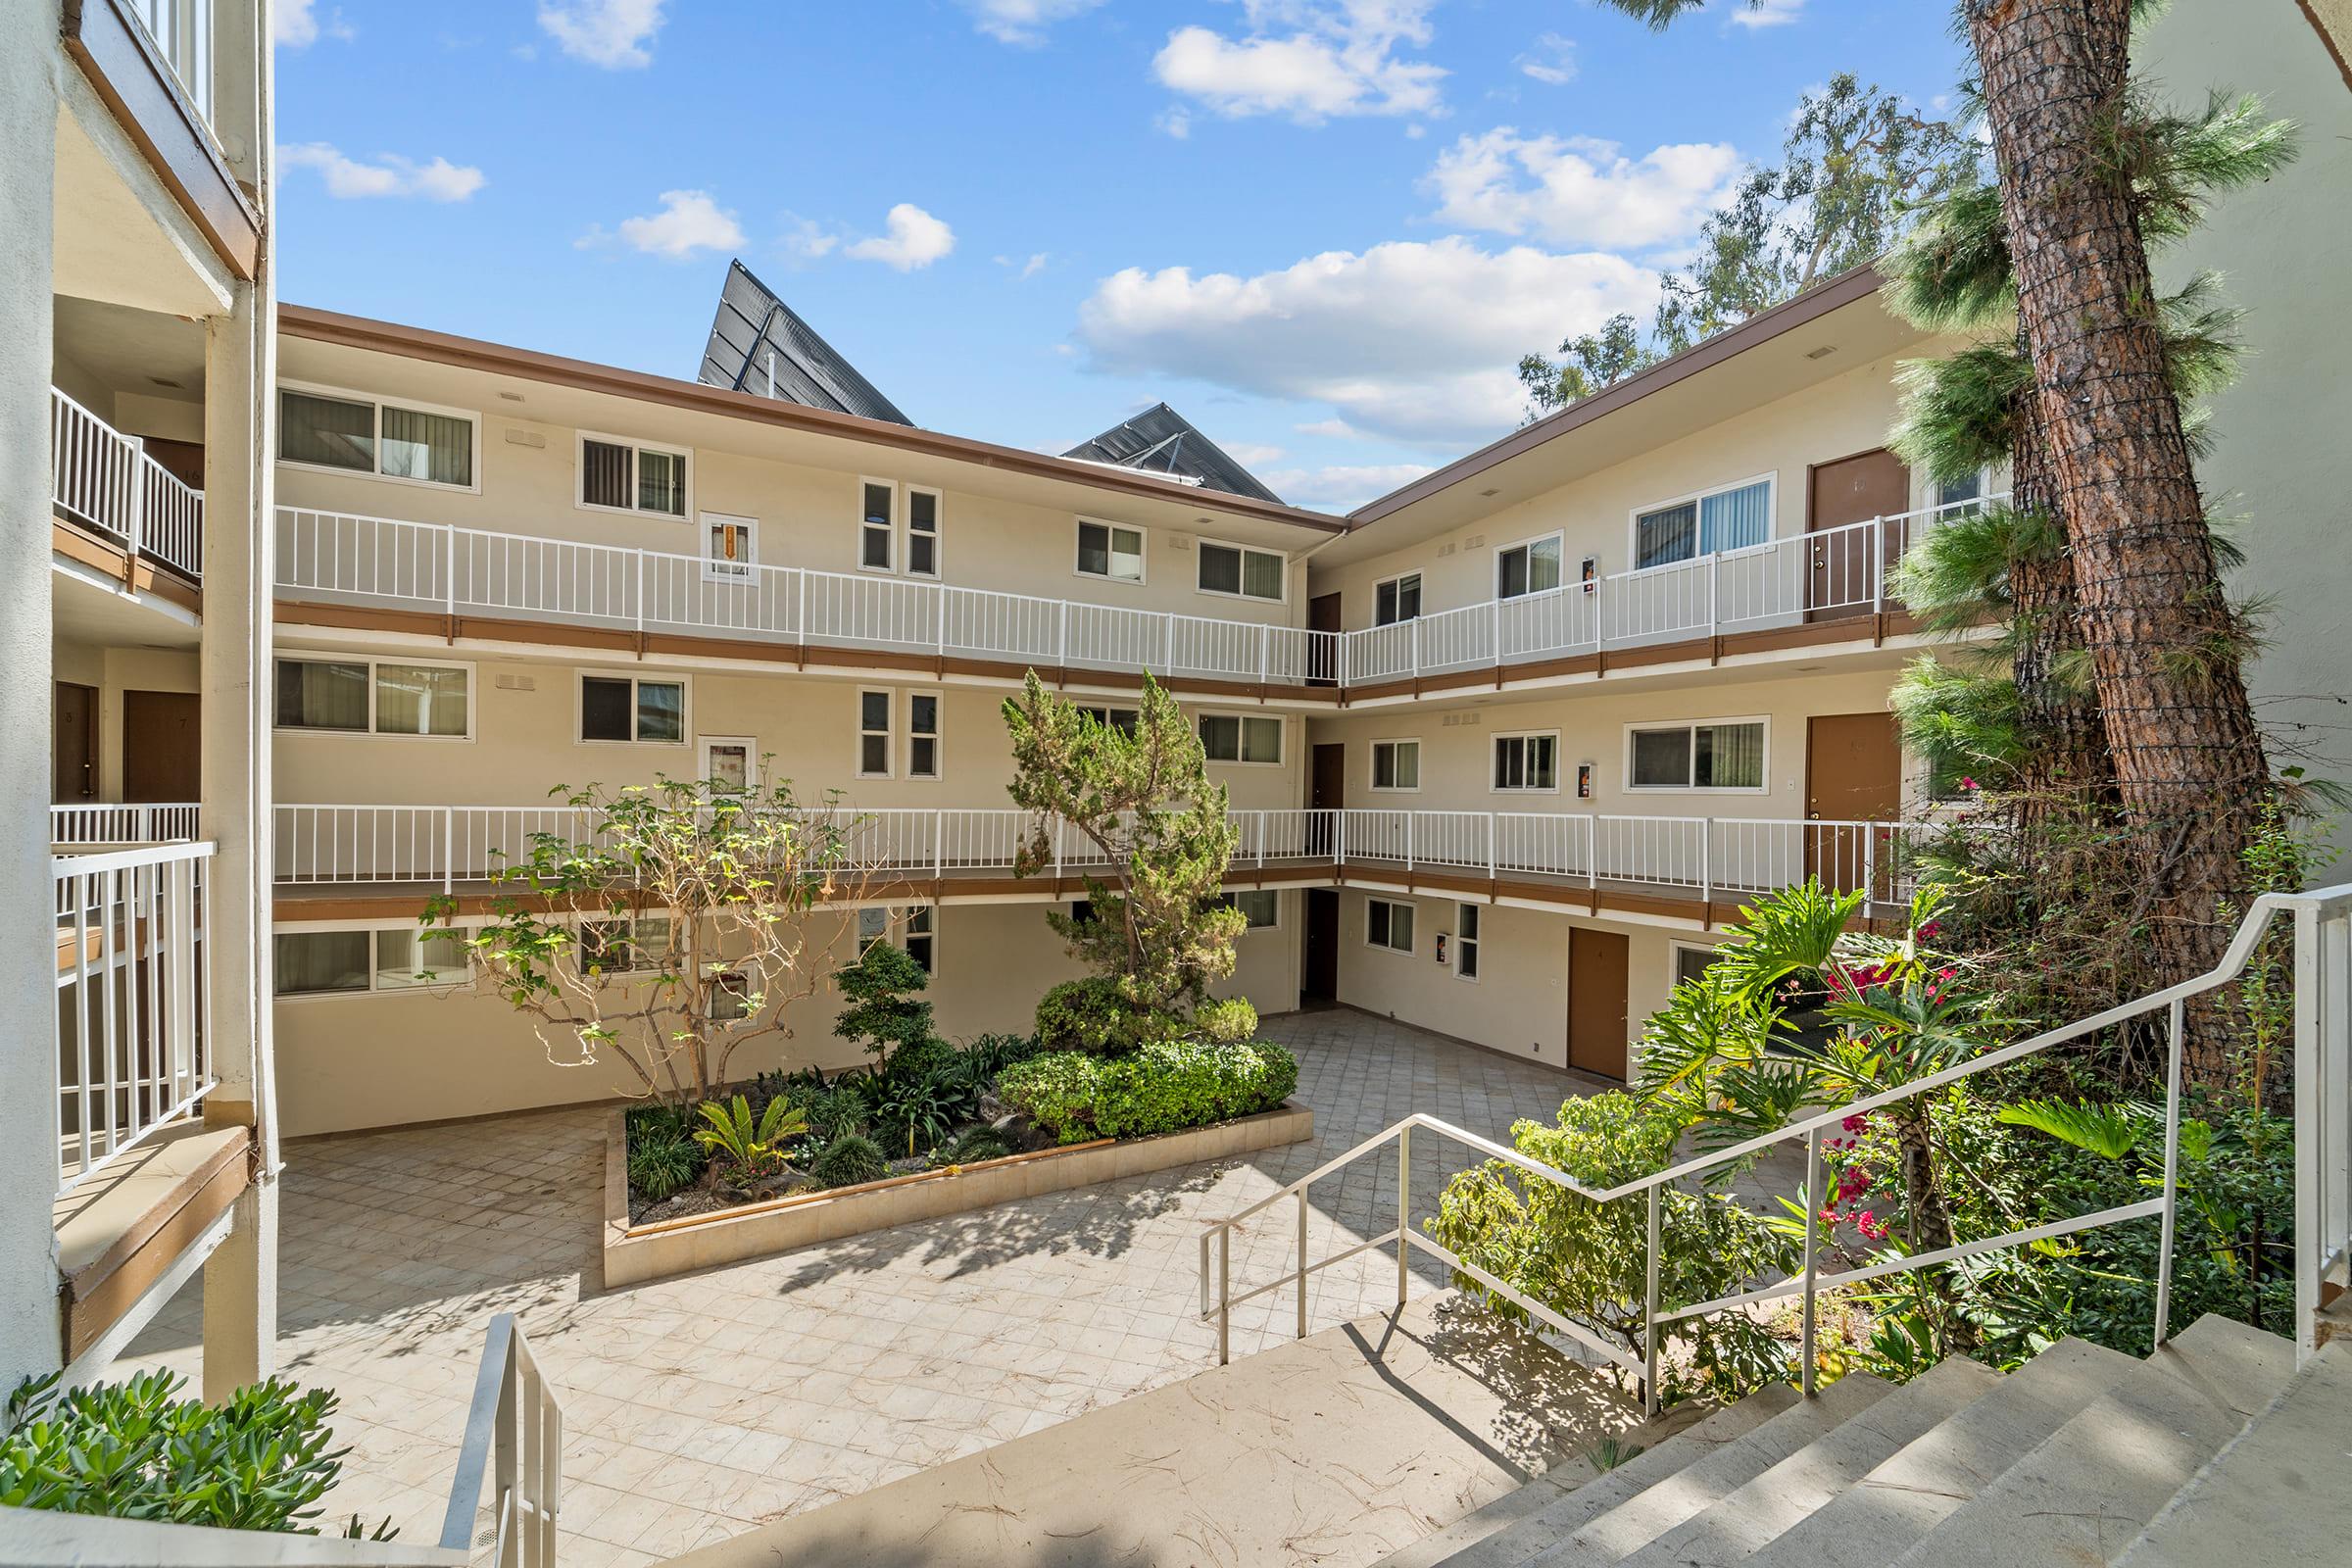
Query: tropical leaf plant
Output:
(744,1149)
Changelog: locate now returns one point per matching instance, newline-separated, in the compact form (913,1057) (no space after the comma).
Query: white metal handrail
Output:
(134,998)
(1832,573)
(182,32)
(2323,935)
(106,481)
(1700,856)
(93,822)
(514,1442)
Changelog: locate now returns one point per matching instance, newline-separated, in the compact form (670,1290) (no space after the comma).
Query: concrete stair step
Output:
(1331,1452)
(1671,1500)
(1922,1483)
(2083,1494)
(1733,1529)
(1519,1524)
(2281,1494)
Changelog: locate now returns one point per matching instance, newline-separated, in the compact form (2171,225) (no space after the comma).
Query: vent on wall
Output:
(526,438)
(515,683)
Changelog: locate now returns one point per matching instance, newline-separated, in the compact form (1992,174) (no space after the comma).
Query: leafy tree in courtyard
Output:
(1856,162)
(2162,644)
(881,1008)
(1135,808)
(678,923)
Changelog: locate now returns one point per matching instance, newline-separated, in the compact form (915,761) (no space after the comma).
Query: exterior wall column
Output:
(240,373)
(30,1335)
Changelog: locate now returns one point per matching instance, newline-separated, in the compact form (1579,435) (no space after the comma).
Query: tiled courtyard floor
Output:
(698,1407)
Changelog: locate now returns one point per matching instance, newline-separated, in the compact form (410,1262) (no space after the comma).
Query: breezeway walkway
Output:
(698,1407)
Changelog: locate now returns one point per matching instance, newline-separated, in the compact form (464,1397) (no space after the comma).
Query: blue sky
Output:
(1325,229)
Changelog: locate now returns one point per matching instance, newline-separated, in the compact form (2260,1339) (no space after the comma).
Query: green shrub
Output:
(749,1148)
(1057,1089)
(850,1162)
(879,1008)
(1091,1014)
(837,1111)
(970,1147)
(661,1164)
(917,1112)
(989,1054)
(137,1451)
(1164,1086)
(1226,1023)
(921,1060)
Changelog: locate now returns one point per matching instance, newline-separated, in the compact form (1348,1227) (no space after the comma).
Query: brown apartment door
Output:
(1327,791)
(1323,653)
(1319,965)
(1597,1000)
(74,751)
(161,756)
(1853,773)
(1855,489)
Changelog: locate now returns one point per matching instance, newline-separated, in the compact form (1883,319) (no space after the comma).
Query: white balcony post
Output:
(1715,592)
(1167,642)
(1057,826)
(1492,829)
(1338,838)
(1412,640)
(135,526)
(449,572)
(1878,565)
(1495,628)
(1707,865)
(1061,637)
(1265,654)
(800,613)
(1409,840)
(939,844)
(942,592)
(449,848)
(1592,850)
(637,586)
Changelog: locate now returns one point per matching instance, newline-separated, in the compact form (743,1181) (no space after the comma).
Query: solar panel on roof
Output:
(759,345)
(1159,440)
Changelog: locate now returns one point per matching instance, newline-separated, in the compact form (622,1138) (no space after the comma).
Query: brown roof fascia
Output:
(1786,316)
(498,359)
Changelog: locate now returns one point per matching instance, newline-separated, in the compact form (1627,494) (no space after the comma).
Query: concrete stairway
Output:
(2064,1461)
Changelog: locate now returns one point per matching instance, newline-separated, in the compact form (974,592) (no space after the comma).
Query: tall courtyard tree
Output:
(1133,807)
(672,926)
(2159,639)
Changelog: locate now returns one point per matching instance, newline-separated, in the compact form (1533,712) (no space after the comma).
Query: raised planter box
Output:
(784,1224)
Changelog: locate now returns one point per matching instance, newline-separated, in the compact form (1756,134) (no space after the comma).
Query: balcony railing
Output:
(105,481)
(1831,575)
(182,32)
(74,827)
(134,1001)
(1699,857)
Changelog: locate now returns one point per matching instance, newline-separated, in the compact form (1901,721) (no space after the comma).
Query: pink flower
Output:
(1869,1225)
(1968,783)
(1854,1124)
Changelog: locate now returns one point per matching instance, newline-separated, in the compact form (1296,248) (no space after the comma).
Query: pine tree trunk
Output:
(2162,645)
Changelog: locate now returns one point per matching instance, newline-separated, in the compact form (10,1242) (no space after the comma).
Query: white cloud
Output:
(689,221)
(295,25)
(1410,340)
(1023,22)
(1341,487)
(1252,454)
(1765,13)
(1024,269)
(1576,190)
(1552,60)
(914,239)
(390,174)
(611,33)
(1307,59)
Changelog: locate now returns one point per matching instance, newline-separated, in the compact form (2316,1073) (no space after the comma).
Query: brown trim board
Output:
(77,543)
(97,1294)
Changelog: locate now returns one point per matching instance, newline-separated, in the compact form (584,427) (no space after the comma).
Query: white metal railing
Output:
(106,481)
(513,1441)
(134,998)
(346,557)
(182,32)
(1702,857)
(2322,943)
(94,822)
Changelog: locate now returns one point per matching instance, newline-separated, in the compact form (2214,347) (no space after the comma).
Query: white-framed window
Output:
(620,474)
(919,933)
(1396,766)
(922,735)
(1528,762)
(354,432)
(356,962)
(1721,754)
(873,732)
(1957,492)
(1529,567)
(730,547)
(1388,923)
(1240,572)
(1395,599)
(360,696)
(923,509)
(621,708)
(1242,738)
(1689,961)
(1260,906)
(1705,522)
(877,524)
(1110,549)
(1466,949)
(1122,719)
(634,944)
(729,762)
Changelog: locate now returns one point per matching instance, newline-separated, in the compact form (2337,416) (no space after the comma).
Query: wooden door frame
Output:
(1812,474)
(1307,942)
(1624,1044)
(91,738)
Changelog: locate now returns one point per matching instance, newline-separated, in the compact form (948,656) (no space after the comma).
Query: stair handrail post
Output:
(1303,1263)
(1650,1342)
(2172,1172)
(1806,1370)
(1224,1294)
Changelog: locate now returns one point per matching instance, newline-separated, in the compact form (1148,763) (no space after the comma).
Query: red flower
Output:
(1869,1225)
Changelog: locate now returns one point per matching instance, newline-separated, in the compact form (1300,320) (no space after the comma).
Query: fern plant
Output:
(746,1151)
